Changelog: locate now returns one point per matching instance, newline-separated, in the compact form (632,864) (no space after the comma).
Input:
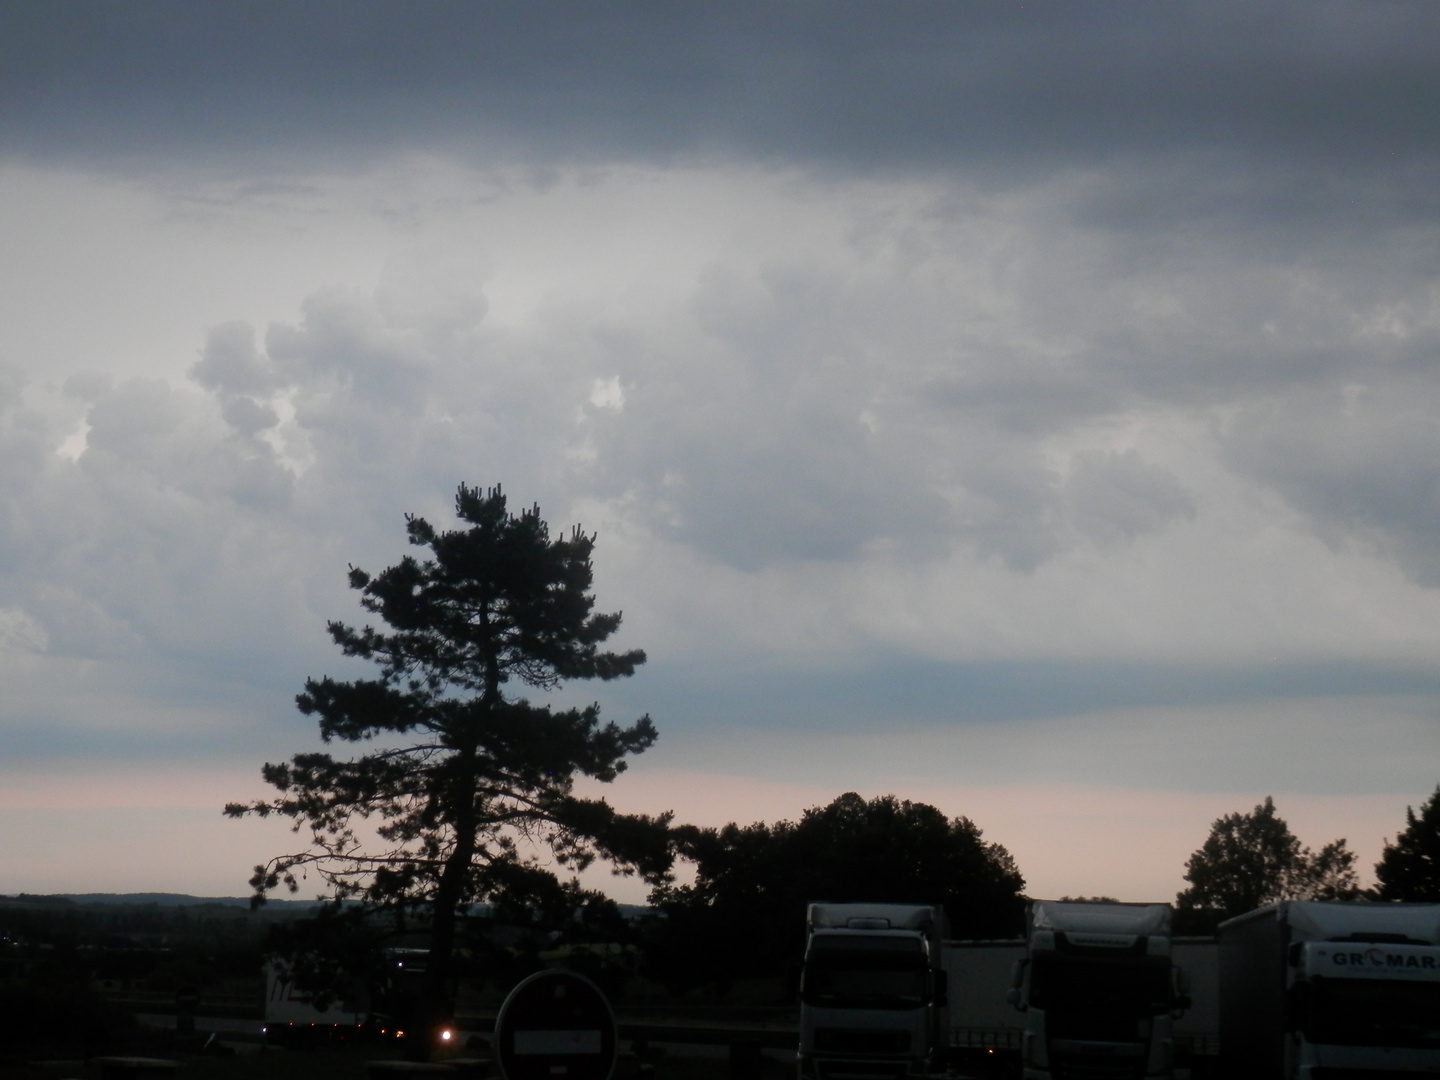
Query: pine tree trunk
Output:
(435,993)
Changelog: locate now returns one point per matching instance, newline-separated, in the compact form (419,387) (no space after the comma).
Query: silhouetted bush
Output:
(55,1013)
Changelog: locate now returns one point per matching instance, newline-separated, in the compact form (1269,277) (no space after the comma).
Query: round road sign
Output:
(556,1025)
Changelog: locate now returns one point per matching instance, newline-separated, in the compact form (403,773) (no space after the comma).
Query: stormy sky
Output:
(1029,408)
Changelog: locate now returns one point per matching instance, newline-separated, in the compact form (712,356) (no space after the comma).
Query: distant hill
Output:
(152,899)
(178,900)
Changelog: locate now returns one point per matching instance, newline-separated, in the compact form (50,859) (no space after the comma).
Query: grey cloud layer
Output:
(928,374)
(997,87)
(777,416)
(936,375)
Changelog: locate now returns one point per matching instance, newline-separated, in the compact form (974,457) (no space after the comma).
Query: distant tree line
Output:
(1253,859)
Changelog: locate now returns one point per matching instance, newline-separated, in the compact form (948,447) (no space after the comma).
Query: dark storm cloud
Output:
(911,690)
(882,86)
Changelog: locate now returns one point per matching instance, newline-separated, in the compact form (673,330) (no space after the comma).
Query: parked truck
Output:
(359,1012)
(1099,992)
(872,992)
(1314,990)
(293,1019)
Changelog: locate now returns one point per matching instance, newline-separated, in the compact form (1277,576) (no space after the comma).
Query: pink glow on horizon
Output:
(163,830)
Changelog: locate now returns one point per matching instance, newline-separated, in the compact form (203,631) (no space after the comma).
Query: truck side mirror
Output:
(940,988)
(1012,997)
(1181,999)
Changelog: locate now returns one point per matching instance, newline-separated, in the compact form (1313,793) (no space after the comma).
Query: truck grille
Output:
(1074,1068)
(860,1041)
(863,1070)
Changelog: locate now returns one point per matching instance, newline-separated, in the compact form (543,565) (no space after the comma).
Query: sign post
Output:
(187,1000)
(556,1025)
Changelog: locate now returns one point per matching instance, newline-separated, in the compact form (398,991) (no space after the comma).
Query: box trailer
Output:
(985,1028)
(1313,990)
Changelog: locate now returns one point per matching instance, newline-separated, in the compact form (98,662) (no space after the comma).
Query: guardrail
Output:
(161,1004)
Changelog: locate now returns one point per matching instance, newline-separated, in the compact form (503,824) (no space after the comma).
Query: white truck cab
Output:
(1099,992)
(872,992)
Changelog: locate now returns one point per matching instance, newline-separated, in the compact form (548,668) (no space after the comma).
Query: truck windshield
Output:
(862,972)
(1375,1012)
(1113,995)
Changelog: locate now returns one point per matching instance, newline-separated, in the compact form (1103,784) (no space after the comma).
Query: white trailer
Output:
(1312,990)
(984,1027)
(286,1004)
(872,992)
(1197,1030)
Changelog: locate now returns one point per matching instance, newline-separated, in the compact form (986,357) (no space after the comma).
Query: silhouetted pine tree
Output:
(462,780)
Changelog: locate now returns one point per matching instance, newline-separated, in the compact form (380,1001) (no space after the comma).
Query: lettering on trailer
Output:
(1378,958)
(284,989)
(1359,962)
(1104,941)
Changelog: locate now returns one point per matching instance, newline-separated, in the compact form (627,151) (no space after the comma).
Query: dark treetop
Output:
(1253,859)
(743,916)
(1409,869)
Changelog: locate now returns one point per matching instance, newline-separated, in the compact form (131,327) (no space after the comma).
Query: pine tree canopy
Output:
(465,789)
